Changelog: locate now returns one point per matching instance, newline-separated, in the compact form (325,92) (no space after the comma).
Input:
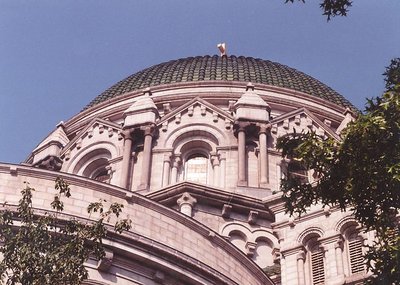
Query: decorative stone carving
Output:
(226,211)
(215,117)
(250,248)
(164,127)
(203,110)
(50,162)
(178,118)
(141,112)
(252,218)
(186,203)
(251,106)
(190,111)
(90,132)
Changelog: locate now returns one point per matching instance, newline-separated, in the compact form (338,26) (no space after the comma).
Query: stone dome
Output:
(226,68)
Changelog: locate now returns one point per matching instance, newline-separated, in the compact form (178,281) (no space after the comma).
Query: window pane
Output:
(196,169)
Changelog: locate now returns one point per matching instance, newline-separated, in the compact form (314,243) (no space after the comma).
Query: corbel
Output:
(226,211)
(252,219)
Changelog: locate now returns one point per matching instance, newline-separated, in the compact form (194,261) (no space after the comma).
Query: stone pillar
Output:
(175,168)
(126,159)
(222,169)
(216,169)
(339,258)
(283,270)
(301,256)
(166,169)
(186,203)
(331,247)
(146,163)
(263,155)
(241,156)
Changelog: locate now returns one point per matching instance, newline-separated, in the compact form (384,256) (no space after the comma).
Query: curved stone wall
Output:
(160,237)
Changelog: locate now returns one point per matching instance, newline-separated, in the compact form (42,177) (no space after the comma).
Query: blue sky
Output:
(55,56)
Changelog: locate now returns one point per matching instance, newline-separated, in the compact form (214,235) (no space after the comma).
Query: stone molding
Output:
(203,193)
(234,89)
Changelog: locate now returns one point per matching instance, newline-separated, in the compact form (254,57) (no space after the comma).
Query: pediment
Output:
(197,108)
(300,120)
(212,197)
(96,127)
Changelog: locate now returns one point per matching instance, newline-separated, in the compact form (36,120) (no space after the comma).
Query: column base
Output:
(242,183)
(264,185)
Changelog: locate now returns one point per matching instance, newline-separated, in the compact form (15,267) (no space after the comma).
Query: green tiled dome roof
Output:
(229,68)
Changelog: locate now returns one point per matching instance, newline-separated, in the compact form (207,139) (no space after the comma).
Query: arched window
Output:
(102,174)
(95,165)
(314,262)
(238,239)
(317,264)
(355,254)
(354,243)
(196,168)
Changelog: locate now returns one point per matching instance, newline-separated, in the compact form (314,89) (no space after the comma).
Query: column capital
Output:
(186,198)
(127,133)
(339,244)
(264,128)
(148,130)
(301,255)
(176,160)
(222,155)
(167,157)
(240,126)
(214,159)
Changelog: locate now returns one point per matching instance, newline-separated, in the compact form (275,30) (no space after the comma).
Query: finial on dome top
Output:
(250,86)
(222,49)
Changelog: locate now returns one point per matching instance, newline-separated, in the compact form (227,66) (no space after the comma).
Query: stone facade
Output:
(195,164)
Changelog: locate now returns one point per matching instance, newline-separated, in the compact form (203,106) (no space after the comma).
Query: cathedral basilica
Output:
(188,147)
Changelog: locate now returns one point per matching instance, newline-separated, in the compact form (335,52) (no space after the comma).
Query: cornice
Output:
(208,195)
(230,85)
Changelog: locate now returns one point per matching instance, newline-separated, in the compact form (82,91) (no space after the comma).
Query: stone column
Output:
(301,256)
(186,203)
(166,169)
(241,156)
(175,167)
(329,246)
(263,155)
(339,258)
(216,171)
(126,159)
(222,167)
(146,163)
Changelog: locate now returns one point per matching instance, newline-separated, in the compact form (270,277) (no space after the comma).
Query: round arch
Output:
(198,130)
(93,161)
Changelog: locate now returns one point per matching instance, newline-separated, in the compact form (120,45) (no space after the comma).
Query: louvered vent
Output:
(317,265)
(356,257)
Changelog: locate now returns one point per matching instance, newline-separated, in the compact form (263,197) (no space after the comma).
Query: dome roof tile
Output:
(229,68)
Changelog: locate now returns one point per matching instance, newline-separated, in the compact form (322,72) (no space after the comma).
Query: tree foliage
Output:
(332,8)
(361,172)
(44,249)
